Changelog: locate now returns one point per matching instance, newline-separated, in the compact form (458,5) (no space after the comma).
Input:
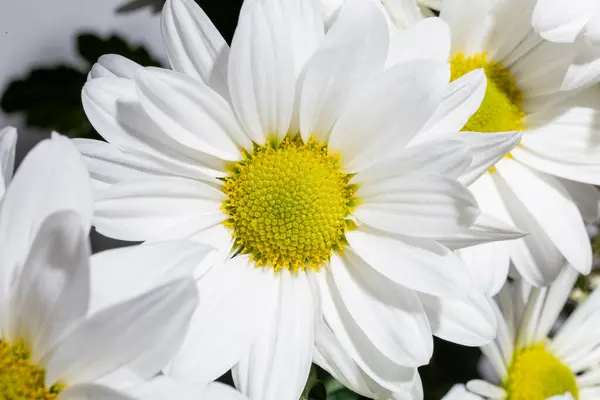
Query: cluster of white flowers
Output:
(349,179)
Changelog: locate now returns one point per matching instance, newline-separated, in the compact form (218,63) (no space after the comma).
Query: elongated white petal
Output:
(418,264)
(121,335)
(378,305)
(488,264)
(8,144)
(377,120)
(278,363)
(429,39)
(466,21)
(194,46)
(164,387)
(587,198)
(486,389)
(417,205)
(235,300)
(559,21)
(460,392)
(51,178)
(353,50)
(114,65)
(91,391)
(191,112)
(52,291)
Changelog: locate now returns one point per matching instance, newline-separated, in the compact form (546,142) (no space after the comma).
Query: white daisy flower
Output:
(58,338)
(565,22)
(533,363)
(289,154)
(543,186)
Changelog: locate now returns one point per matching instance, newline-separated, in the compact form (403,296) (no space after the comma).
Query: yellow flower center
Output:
(536,374)
(288,204)
(20,379)
(501,108)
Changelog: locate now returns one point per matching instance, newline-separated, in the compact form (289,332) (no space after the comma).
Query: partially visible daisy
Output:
(289,154)
(531,362)
(566,21)
(52,345)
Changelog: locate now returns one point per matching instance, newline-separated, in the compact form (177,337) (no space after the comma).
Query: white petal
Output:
(466,20)
(261,73)
(279,361)
(90,391)
(429,39)
(376,120)
(587,198)
(459,392)
(486,389)
(462,98)
(122,334)
(53,171)
(404,13)
(592,31)
(155,208)
(417,205)
(469,322)
(378,305)
(194,46)
(191,112)
(584,69)
(555,300)
(543,196)
(164,387)
(353,50)
(489,264)
(376,365)
(230,316)
(114,65)
(487,149)
(52,291)
(559,21)
(8,144)
(418,264)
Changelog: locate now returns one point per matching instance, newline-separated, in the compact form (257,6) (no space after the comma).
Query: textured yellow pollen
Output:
(501,108)
(288,204)
(20,379)
(536,374)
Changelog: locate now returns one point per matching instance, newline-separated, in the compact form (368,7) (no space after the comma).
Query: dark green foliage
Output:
(50,96)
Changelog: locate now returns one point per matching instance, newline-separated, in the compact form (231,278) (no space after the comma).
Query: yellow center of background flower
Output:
(20,379)
(501,109)
(287,204)
(536,374)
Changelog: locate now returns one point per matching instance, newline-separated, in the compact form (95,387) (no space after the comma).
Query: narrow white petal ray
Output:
(378,306)
(91,391)
(556,298)
(120,335)
(446,157)
(120,378)
(416,205)
(219,391)
(510,306)
(114,66)
(564,337)
(466,19)
(586,197)
(462,98)
(194,46)
(486,389)
(559,21)
(331,356)
(152,209)
(279,361)
(531,317)
(488,264)
(543,196)
(591,393)
(164,387)
(234,299)
(589,378)
(191,112)
(505,337)
(487,149)
(404,13)
(429,39)
(357,345)
(584,69)
(113,108)
(8,144)
(51,178)
(376,120)
(52,291)
(494,356)
(352,51)
(419,264)
(469,322)
(460,392)
(261,73)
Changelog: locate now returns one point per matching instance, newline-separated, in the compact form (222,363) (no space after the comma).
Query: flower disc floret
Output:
(20,378)
(537,374)
(288,203)
(501,108)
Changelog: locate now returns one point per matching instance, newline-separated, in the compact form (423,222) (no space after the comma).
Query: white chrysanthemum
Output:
(531,362)
(566,21)
(59,336)
(289,154)
(543,187)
